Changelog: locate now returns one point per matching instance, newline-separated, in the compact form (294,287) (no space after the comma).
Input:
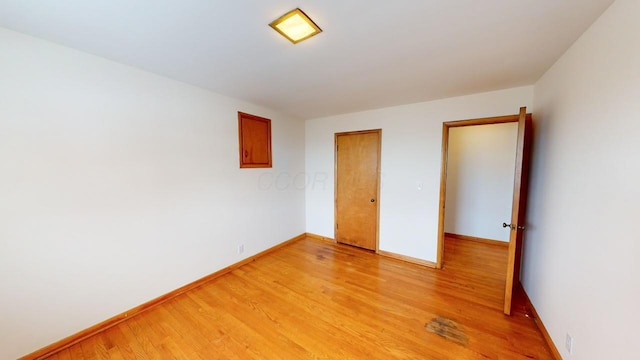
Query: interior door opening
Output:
(516,197)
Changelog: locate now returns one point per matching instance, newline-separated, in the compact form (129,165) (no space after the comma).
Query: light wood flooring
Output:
(317,300)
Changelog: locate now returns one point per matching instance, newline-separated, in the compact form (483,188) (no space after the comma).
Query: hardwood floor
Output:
(317,300)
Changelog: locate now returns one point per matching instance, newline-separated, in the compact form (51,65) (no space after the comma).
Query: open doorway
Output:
(479,188)
(482,198)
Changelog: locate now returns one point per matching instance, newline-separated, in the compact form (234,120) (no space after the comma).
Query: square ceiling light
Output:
(295,26)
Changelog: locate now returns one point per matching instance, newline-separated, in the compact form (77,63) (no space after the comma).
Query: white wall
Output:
(480,171)
(117,186)
(581,259)
(411,151)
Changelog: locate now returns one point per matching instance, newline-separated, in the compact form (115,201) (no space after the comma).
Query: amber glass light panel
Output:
(295,26)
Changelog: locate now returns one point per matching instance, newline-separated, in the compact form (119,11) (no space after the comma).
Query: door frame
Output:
(443,171)
(335,181)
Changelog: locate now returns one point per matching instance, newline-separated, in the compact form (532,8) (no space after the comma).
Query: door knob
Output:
(373,200)
(513,227)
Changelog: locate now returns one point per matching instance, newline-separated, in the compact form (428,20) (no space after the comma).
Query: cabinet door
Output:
(255,141)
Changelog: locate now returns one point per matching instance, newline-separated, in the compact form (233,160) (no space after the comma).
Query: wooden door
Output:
(517,226)
(357,179)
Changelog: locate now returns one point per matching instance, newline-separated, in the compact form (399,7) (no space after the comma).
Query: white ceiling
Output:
(372,53)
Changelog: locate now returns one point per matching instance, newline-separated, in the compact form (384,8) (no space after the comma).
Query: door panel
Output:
(523,155)
(357,183)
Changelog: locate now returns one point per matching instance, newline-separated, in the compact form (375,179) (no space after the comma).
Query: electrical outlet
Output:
(568,343)
(240,248)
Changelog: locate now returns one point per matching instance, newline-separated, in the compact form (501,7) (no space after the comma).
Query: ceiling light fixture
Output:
(295,26)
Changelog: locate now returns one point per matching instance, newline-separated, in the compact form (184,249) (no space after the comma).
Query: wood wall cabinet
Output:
(255,141)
